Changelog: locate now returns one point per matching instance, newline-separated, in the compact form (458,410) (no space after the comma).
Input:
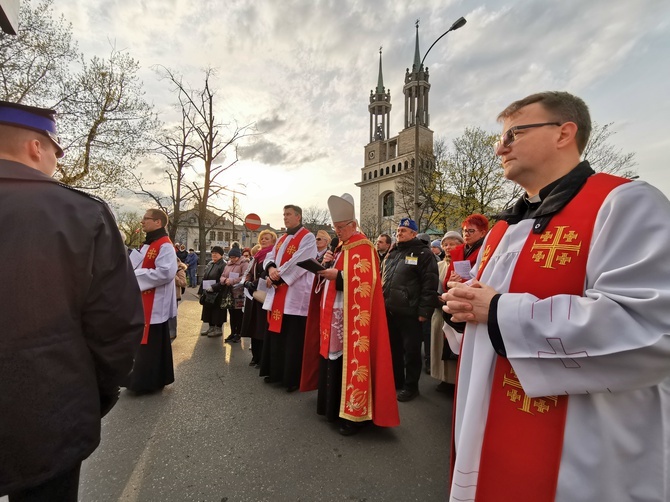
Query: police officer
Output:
(70,309)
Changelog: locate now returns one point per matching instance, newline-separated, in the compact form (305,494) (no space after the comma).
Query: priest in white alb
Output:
(563,389)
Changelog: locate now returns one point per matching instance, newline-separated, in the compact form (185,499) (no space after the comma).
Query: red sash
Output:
(523,440)
(276,315)
(149,294)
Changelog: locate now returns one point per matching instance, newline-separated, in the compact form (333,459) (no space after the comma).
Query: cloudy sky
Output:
(302,71)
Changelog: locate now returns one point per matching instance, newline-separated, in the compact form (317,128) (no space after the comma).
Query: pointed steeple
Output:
(380,79)
(417,54)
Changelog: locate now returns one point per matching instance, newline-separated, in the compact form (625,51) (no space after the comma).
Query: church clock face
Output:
(371,155)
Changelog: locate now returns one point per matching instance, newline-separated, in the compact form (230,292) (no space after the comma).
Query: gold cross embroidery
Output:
(276,314)
(486,256)
(291,249)
(514,395)
(555,246)
(151,254)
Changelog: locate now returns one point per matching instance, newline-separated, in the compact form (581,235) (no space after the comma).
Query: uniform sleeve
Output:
(165,271)
(428,284)
(617,336)
(112,317)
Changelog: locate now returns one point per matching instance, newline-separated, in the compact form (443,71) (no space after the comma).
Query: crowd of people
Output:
(549,328)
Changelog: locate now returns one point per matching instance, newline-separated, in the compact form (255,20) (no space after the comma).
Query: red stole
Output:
(276,315)
(523,438)
(368,389)
(149,294)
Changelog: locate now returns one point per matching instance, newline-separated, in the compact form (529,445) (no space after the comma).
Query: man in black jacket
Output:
(70,310)
(409,283)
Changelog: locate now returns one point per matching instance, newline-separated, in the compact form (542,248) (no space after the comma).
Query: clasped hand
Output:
(468,303)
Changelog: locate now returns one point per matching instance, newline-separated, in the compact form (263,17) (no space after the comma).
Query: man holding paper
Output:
(347,350)
(287,301)
(155,269)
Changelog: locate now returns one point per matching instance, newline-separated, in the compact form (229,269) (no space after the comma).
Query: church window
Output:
(375,173)
(388,204)
(365,175)
(405,165)
(387,169)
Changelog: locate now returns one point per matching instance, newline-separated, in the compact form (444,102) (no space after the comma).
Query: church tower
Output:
(389,160)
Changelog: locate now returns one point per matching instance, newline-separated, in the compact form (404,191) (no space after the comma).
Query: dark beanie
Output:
(234,252)
(217,249)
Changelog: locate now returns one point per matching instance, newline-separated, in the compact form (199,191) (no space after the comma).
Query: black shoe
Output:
(445,388)
(292,388)
(253,362)
(407,394)
(235,338)
(267,379)
(348,428)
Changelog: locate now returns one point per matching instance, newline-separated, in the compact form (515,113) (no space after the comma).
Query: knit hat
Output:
(435,244)
(452,234)
(425,238)
(409,223)
(234,252)
(217,249)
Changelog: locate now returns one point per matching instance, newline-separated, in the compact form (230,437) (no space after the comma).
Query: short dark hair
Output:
(563,106)
(386,237)
(296,209)
(159,214)
(191,249)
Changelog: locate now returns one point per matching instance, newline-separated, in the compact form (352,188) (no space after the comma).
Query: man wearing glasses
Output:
(70,310)
(564,383)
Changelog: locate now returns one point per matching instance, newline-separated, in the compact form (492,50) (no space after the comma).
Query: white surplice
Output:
(298,279)
(613,359)
(161,278)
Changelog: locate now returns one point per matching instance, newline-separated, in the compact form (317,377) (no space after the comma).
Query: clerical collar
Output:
(292,231)
(154,235)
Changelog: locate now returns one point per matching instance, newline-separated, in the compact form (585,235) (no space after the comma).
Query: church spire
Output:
(417,54)
(380,79)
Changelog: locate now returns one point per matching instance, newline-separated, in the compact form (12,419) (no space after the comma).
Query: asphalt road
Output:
(219,433)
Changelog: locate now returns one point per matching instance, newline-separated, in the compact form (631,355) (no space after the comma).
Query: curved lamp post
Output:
(458,24)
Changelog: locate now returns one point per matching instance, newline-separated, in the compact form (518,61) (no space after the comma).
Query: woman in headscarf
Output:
(212,313)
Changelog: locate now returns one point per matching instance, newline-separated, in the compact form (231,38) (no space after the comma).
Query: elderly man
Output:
(564,384)
(409,282)
(71,314)
(322,243)
(155,270)
(347,344)
(287,301)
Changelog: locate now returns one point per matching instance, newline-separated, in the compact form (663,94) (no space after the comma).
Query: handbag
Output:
(208,298)
(228,302)
(259,296)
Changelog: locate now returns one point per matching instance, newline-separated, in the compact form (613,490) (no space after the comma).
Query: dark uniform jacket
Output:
(70,319)
(410,279)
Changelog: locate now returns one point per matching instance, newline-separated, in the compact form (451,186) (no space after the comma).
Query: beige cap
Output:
(341,208)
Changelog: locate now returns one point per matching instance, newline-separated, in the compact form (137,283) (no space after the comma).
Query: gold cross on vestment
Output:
(151,254)
(555,246)
(516,393)
(291,249)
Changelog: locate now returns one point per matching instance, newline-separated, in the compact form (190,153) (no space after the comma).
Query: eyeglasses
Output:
(469,231)
(147,218)
(321,239)
(509,136)
(343,226)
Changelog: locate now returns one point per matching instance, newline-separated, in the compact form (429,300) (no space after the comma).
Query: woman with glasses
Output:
(322,243)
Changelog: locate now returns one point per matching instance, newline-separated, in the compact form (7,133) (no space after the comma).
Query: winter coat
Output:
(410,279)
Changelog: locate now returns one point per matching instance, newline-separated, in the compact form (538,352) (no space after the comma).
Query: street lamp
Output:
(458,24)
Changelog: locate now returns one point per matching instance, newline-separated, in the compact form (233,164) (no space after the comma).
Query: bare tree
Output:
(130,223)
(314,217)
(214,152)
(35,63)
(604,157)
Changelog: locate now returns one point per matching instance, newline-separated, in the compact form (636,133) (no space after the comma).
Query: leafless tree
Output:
(314,217)
(605,157)
(214,147)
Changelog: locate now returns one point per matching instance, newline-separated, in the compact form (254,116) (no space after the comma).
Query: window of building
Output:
(387,169)
(212,235)
(227,236)
(388,204)
(220,236)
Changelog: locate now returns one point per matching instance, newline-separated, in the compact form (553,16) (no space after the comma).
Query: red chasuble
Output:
(368,390)
(276,315)
(523,438)
(149,294)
